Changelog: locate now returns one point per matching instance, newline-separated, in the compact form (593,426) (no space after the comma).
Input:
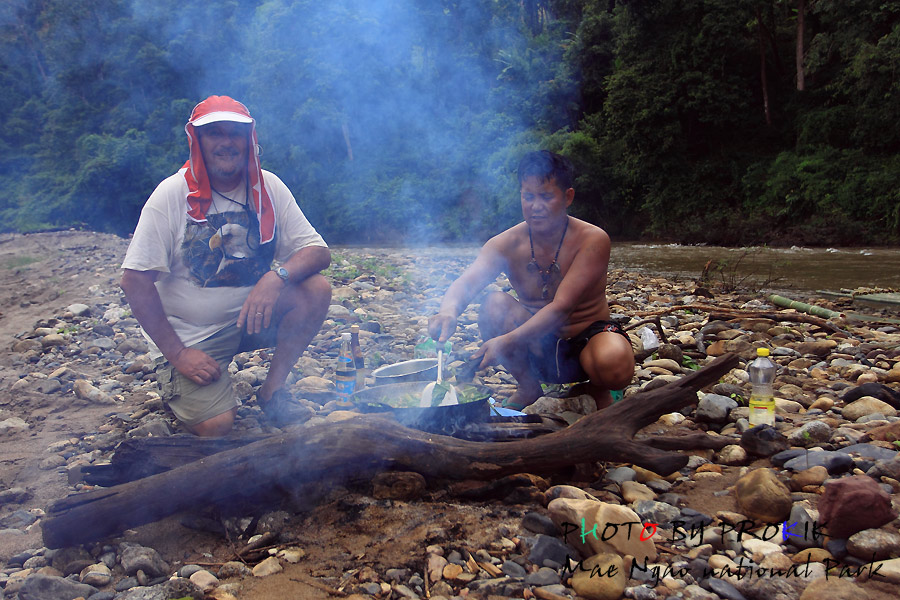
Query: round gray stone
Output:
(714,408)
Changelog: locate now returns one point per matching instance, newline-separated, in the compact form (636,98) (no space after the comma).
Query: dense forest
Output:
(738,122)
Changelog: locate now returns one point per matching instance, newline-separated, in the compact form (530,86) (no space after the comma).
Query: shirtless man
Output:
(557,328)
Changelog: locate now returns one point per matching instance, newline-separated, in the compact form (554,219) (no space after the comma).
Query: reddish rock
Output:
(885,433)
(820,348)
(717,348)
(853,504)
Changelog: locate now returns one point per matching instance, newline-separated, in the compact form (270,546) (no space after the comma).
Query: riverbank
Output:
(795,269)
(74,382)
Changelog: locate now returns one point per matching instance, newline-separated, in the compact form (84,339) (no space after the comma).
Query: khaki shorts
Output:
(193,403)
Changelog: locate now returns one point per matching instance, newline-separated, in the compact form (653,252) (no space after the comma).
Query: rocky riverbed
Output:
(804,510)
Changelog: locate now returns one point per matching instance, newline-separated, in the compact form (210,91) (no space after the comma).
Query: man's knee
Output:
(312,294)
(609,361)
(620,373)
(495,304)
(216,426)
(500,313)
(318,290)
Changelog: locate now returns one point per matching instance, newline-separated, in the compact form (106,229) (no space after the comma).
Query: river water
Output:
(779,269)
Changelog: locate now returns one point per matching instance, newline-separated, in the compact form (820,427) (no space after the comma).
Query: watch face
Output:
(282,272)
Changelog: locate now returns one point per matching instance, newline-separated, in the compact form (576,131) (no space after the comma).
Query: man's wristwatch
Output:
(283,273)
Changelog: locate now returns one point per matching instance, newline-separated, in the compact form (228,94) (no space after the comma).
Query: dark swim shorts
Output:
(559,363)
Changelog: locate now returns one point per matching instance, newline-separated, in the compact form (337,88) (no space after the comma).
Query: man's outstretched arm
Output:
(487,266)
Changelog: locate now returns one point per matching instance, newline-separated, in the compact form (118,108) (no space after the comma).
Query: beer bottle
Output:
(358,359)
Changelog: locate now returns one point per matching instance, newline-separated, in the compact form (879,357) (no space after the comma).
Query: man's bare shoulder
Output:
(589,235)
(507,241)
(587,229)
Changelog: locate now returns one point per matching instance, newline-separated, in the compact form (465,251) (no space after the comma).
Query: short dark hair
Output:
(547,165)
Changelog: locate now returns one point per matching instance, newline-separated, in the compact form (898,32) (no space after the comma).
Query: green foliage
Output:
(376,359)
(17,262)
(689,363)
(394,121)
(818,194)
(347,268)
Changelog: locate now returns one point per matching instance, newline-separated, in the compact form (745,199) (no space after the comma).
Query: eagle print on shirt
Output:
(225,250)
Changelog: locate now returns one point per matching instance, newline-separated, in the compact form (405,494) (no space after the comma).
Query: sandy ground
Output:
(40,275)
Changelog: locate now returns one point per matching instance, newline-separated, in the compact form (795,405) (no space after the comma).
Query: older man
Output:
(557,327)
(199,272)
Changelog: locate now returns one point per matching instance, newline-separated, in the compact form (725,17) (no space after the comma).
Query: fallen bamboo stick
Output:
(811,309)
(319,586)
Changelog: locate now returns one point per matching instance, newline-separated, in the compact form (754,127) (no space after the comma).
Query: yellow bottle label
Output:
(762,411)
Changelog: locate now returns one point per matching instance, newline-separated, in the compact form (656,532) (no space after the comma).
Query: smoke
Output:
(390,120)
(381,116)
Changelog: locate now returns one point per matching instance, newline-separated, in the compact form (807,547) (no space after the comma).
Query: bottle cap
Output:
(345,336)
(354,329)
(762,351)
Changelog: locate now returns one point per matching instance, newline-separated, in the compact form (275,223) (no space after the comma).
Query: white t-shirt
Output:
(208,269)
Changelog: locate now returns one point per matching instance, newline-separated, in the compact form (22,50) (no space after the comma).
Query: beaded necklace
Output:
(552,268)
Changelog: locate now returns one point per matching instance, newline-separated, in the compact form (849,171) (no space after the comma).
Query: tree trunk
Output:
(345,129)
(762,66)
(533,16)
(801,27)
(336,451)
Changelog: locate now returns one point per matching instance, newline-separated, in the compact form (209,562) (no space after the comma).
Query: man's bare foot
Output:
(523,397)
(601,396)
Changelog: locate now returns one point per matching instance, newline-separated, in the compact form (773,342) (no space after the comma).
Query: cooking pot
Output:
(420,369)
(401,401)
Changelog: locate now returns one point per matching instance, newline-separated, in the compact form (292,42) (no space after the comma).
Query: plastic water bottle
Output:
(762,401)
(345,374)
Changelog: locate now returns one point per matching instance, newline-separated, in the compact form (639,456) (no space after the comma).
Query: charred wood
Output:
(690,441)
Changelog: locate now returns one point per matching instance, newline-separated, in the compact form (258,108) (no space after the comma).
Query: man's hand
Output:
(256,313)
(494,351)
(441,327)
(196,365)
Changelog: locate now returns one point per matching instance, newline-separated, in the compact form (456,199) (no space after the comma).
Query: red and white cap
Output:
(199,198)
(219,108)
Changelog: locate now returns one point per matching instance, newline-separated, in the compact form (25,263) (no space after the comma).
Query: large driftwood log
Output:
(343,449)
(139,457)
